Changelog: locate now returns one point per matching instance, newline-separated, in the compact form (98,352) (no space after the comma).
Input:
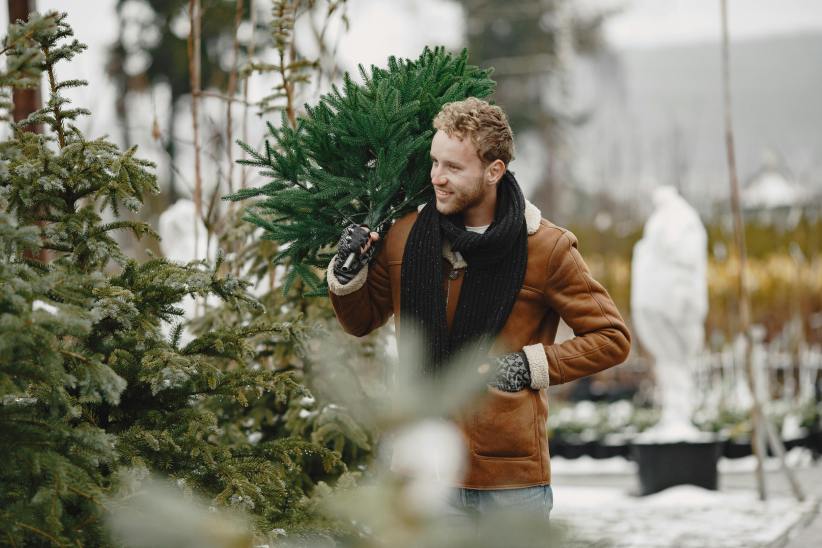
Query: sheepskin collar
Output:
(532,218)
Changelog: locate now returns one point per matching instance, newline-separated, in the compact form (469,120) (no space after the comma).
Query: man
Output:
(477,266)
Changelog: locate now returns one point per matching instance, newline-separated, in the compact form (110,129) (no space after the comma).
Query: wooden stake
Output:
(739,237)
(762,428)
(251,50)
(232,90)
(779,450)
(25,102)
(195,19)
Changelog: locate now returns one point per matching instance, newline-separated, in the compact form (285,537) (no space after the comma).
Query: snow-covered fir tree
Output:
(89,385)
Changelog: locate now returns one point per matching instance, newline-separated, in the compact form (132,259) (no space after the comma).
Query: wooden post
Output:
(25,101)
(250,55)
(761,426)
(739,237)
(194,47)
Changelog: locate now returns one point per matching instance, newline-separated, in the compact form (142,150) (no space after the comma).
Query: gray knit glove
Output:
(513,373)
(352,240)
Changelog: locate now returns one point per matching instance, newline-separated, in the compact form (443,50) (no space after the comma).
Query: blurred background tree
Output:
(150,57)
(151,53)
(531,45)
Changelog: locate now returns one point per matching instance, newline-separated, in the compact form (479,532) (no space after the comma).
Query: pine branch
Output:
(40,533)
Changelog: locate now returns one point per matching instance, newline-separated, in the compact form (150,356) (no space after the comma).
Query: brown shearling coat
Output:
(506,435)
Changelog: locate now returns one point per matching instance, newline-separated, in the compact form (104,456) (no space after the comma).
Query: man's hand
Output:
(512,372)
(358,241)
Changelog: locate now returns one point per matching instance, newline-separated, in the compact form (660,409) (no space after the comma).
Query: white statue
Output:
(669,302)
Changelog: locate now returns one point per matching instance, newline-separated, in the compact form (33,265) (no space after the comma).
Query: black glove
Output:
(352,240)
(513,373)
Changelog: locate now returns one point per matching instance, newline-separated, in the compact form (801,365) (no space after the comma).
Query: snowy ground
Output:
(680,516)
(594,498)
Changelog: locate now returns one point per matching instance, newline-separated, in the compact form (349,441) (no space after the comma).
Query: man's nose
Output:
(436,178)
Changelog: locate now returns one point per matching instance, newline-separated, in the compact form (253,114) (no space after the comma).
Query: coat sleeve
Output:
(363,304)
(601,340)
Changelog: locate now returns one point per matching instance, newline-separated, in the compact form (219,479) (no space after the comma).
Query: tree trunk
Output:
(171,150)
(194,69)
(757,433)
(25,101)
(763,430)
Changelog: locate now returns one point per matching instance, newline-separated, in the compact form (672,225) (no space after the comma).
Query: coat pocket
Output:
(504,425)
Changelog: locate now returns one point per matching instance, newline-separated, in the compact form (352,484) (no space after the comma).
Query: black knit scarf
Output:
(495,273)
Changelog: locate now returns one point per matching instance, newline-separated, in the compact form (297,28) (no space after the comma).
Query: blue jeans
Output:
(538,500)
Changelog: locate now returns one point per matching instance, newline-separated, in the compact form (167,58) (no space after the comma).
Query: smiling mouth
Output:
(441,193)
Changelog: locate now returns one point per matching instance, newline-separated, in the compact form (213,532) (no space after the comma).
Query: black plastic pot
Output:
(663,465)
(737,449)
(607,451)
(815,442)
(574,450)
(796,442)
(556,447)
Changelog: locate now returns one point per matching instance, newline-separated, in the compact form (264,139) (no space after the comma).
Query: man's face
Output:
(457,173)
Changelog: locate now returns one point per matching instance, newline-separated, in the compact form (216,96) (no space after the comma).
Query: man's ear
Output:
(495,171)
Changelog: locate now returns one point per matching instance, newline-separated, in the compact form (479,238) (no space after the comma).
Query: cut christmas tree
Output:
(359,156)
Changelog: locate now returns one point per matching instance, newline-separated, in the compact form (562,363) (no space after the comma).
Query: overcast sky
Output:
(656,22)
(401,27)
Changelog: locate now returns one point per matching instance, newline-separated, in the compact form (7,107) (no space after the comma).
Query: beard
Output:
(461,199)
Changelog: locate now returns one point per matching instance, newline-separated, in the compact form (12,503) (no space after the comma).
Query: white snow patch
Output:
(798,457)
(586,466)
(792,427)
(771,190)
(430,454)
(41,305)
(673,432)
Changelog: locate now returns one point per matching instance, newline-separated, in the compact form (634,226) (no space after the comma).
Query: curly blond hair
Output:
(485,124)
